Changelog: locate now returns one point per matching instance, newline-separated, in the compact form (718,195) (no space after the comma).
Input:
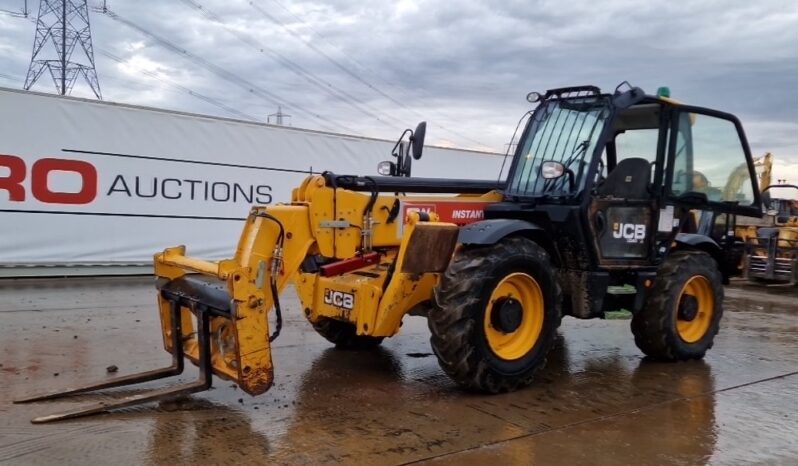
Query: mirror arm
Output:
(398,144)
(571,179)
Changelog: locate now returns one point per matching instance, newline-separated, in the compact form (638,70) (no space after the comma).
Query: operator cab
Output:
(621,178)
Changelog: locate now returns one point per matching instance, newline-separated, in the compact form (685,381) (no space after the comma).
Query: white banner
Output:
(94,182)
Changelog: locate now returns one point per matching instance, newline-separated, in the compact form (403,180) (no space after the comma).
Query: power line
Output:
(345,69)
(182,88)
(332,60)
(291,65)
(174,86)
(10,78)
(312,78)
(324,38)
(321,36)
(224,74)
(23,13)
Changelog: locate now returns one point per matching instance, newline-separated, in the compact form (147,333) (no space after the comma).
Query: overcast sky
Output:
(375,67)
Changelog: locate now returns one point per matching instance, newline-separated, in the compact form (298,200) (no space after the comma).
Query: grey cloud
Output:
(464,65)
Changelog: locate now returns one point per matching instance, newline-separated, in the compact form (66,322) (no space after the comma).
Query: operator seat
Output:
(628,180)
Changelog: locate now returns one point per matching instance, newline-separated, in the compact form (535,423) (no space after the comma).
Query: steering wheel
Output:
(600,173)
(600,178)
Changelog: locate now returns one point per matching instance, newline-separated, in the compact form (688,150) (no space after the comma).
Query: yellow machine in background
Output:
(746,227)
(771,252)
(763,165)
(771,242)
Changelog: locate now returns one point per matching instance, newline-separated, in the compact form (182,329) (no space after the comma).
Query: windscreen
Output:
(562,130)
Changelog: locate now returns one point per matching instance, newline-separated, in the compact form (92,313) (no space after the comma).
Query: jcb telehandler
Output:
(598,197)
(771,246)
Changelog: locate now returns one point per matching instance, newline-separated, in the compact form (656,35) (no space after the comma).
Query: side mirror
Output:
(417,139)
(386,168)
(550,170)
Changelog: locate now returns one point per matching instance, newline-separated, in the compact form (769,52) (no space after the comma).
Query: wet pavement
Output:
(596,402)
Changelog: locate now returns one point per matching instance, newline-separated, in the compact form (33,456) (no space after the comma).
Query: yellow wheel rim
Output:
(693,329)
(523,290)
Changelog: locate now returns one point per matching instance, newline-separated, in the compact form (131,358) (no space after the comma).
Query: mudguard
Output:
(702,242)
(708,245)
(491,231)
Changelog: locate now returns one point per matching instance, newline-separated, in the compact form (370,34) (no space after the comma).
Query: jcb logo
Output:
(631,232)
(339,299)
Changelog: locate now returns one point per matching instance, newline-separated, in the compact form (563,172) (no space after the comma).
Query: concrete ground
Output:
(596,402)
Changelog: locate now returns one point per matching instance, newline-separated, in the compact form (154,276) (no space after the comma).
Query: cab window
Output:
(640,143)
(637,135)
(709,158)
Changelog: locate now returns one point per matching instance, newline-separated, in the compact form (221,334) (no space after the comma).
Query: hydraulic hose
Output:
(278,312)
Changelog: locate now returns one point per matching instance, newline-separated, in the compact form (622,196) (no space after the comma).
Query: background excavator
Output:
(737,230)
(493,266)
(770,254)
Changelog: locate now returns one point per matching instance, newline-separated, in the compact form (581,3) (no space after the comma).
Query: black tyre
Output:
(682,313)
(496,315)
(344,335)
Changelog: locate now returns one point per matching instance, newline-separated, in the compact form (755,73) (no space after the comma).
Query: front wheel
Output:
(682,313)
(496,315)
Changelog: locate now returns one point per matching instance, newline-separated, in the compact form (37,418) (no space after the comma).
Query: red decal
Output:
(41,190)
(13,182)
(348,265)
(457,212)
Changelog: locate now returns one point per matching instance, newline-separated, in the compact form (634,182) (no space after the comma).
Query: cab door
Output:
(625,201)
(710,164)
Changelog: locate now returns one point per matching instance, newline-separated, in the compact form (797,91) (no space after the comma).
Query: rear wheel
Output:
(683,310)
(496,315)
(344,335)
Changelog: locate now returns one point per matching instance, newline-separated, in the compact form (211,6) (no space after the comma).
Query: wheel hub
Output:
(507,315)
(688,308)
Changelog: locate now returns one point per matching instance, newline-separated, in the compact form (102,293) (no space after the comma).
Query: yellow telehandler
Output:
(771,252)
(596,198)
(770,255)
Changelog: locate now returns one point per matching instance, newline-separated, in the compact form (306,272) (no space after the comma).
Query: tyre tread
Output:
(452,324)
(653,327)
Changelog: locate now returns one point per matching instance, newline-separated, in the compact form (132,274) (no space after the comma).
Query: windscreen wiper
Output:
(577,154)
